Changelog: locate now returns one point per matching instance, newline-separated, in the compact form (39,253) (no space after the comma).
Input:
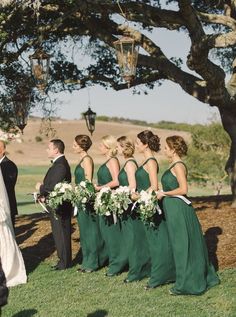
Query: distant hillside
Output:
(169,125)
(32,149)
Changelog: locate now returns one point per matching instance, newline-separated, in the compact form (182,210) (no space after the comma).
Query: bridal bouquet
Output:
(103,203)
(147,206)
(84,193)
(62,192)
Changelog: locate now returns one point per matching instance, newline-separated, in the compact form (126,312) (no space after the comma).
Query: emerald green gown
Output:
(125,218)
(139,256)
(111,232)
(194,273)
(157,239)
(90,237)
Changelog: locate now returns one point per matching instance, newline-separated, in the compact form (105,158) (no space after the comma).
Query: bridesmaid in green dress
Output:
(126,177)
(149,246)
(90,237)
(194,273)
(107,176)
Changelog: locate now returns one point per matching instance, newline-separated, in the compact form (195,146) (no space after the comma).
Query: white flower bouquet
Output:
(120,200)
(62,192)
(103,203)
(147,206)
(84,194)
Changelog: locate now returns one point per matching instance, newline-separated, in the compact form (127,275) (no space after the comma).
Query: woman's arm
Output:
(114,168)
(88,168)
(130,169)
(152,169)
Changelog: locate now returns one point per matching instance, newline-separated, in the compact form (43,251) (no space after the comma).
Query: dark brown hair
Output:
(58,144)
(127,145)
(177,143)
(83,141)
(151,139)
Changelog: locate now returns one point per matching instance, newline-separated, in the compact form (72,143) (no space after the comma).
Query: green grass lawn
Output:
(71,294)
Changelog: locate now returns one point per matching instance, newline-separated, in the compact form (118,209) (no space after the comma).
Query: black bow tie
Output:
(52,161)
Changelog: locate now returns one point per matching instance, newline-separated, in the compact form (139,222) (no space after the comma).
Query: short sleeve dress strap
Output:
(181,162)
(131,160)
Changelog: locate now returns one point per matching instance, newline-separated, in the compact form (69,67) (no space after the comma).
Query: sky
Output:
(167,102)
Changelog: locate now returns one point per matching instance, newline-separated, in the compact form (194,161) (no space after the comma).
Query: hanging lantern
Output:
(40,61)
(21,104)
(127,55)
(90,118)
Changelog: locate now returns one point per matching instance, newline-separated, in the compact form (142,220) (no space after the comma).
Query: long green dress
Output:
(194,273)
(126,219)
(111,232)
(139,256)
(157,239)
(90,237)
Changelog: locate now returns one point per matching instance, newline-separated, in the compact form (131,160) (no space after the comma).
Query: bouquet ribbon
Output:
(186,200)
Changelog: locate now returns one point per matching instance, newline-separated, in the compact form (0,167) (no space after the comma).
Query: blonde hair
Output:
(110,143)
(127,145)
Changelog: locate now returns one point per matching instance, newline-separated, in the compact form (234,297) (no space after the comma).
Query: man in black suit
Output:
(61,224)
(9,173)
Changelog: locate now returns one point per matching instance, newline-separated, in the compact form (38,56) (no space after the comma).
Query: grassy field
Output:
(29,176)
(72,294)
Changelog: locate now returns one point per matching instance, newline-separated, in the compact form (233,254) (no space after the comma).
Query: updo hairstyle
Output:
(110,143)
(178,144)
(83,141)
(127,146)
(151,139)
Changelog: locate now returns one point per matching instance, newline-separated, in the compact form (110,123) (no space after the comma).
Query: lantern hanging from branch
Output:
(40,61)
(90,118)
(127,55)
(21,103)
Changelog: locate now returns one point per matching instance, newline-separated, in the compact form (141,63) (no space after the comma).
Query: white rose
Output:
(82,184)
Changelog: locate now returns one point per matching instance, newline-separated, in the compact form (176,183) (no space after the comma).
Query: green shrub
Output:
(208,154)
(38,138)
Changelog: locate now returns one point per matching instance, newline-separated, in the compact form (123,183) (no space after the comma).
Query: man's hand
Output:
(41,199)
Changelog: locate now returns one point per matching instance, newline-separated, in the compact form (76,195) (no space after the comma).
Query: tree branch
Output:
(217,19)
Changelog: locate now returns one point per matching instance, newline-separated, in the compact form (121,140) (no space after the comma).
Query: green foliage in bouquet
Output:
(120,200)
(62,192)
(103,204)
(146,206)
(84,194)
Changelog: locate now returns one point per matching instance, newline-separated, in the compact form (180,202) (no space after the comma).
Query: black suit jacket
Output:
(58,172)
(10,173)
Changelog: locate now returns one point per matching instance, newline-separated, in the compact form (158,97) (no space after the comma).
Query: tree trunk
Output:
(229,123)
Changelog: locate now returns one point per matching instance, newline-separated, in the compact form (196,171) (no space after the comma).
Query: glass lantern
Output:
(21,104)
(127,55)
(90,118)
(40,62)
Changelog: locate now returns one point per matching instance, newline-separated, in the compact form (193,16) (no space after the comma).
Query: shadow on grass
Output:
(44,248)
(26,313)
(98,313)
(23,203)
(211,237)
